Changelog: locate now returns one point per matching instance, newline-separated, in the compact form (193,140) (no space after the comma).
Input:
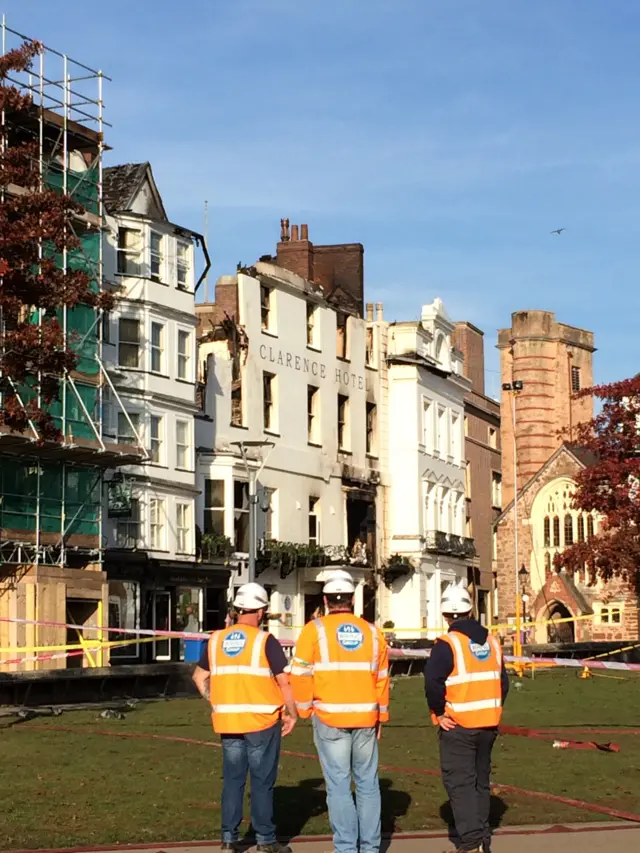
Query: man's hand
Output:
(288,723)
(378,730)
(446,723)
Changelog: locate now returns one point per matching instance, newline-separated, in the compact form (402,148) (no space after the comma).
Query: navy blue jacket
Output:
(439,665)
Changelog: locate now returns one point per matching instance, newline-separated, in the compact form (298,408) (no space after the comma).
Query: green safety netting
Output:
(81,186)
(59,486)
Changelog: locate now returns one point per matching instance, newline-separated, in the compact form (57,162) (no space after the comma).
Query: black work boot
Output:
(275,847)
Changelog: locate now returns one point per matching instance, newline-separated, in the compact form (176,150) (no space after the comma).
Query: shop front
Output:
(162,596)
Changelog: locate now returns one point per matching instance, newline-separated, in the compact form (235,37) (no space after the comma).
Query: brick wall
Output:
(470,341)
(209,314)
(541,353)
(482,460)
(340,266)
(481,414)
(562,465)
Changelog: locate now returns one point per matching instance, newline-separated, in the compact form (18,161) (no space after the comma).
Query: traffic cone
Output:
(586,673)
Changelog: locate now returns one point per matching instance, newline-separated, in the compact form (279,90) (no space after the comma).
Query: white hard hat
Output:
(456,599)
(251,596)
(339,583)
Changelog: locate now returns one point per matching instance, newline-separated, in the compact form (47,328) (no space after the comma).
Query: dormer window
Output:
(129,249)
(182,265)
(156,256)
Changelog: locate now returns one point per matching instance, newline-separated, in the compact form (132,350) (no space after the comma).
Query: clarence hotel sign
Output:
(317,369)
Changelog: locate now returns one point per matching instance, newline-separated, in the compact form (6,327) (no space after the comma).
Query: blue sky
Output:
(448,136)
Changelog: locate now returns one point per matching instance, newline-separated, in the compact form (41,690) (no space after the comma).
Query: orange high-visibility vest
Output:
(474,688)
(340,672)
(244,694)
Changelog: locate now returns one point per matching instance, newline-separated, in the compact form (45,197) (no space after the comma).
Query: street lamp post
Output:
(252,476)
(523,575)
(514,389)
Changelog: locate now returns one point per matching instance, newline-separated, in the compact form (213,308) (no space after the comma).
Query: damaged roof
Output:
(121,183)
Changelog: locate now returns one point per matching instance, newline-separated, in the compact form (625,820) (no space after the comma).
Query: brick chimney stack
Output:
(334,268)
(470,341)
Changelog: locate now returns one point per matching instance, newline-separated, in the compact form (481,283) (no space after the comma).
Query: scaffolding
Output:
(51,491)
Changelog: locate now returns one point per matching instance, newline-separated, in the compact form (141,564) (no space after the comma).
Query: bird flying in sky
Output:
(558,231)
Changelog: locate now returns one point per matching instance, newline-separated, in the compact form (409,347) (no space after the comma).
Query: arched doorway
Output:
(560,632)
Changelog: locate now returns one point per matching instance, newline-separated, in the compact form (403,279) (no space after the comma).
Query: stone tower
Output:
(553,361)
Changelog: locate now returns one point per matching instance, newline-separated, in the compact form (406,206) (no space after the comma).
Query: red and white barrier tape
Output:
(577,664)
(393,652)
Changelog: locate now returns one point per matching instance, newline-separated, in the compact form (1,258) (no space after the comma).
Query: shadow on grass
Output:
(496,814)
(295,805)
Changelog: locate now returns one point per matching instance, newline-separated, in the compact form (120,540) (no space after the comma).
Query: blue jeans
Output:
(343,752)
(259,753)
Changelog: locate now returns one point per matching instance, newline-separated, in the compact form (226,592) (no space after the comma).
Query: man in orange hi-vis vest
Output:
(340,676)
(242,676)
(466,685)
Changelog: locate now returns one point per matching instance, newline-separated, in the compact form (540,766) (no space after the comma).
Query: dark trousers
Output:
(465,759)
(258,753)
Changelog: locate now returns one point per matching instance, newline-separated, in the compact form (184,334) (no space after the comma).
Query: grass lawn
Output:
(64,788)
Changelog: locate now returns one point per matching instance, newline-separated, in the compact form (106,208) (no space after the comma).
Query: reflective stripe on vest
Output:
(341,708)
(474,696)
(244,696)
(326,665)
(333,679)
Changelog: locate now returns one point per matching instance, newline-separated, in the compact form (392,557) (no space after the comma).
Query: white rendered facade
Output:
(298,384)
(426,514)
(150,355)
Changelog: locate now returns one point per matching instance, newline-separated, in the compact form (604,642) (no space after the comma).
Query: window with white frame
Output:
(461,515)
(129,251)
(431,506)
(427,424)
(214,507)
(456,437)
(128,342)
(156,523)
(156,430)
(312,325)
(184,354)
(493,437)
(128,426)
(124,614)
(241,515)
(496,489)
(269,419)
(183,528)
(442,437)
(314,521)
(269,507)
(609,614)
(157,348)
(183,449)
(313,419)
(266,319)
(343,422)
(372,418)
(182,264)
(156,256)
(106,327)
(106,412)
(128,530)
(342,349)
(370,353)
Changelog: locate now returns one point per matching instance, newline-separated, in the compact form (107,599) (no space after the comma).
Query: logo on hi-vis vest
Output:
(350,637)
(234,643)
(480,652)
